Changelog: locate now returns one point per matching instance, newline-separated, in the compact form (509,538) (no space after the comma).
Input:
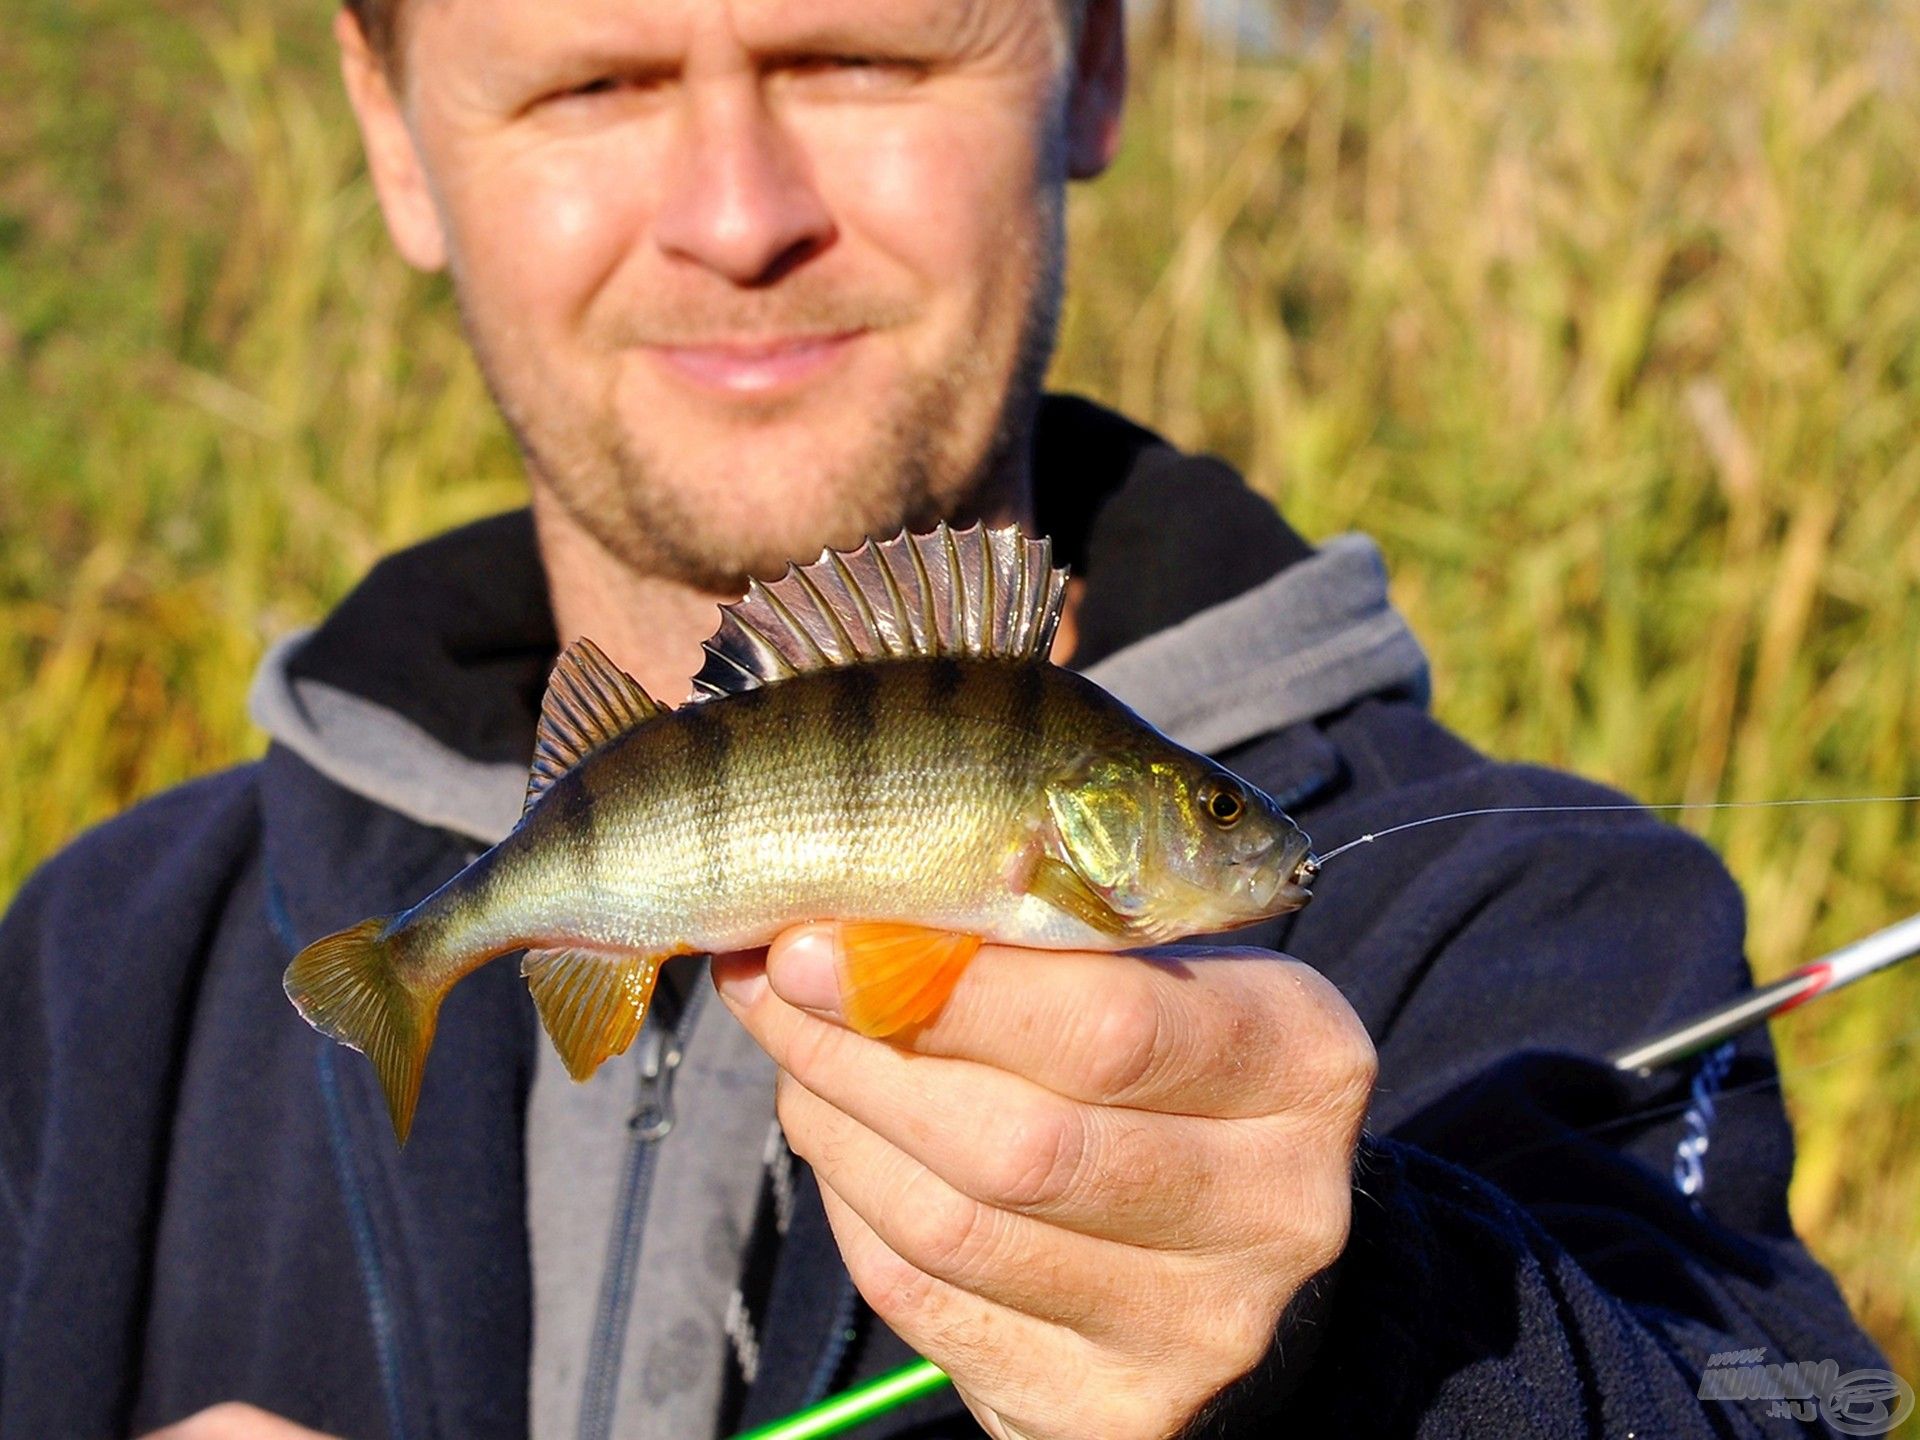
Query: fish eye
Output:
(1222,801)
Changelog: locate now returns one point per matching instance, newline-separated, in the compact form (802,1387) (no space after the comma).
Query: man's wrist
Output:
(1257,1398)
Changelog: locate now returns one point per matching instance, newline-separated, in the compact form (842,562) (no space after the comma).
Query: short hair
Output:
(379,21)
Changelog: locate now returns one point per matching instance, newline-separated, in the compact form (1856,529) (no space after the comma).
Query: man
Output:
(749,277)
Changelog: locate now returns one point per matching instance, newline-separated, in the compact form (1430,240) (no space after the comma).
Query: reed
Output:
(1603,316)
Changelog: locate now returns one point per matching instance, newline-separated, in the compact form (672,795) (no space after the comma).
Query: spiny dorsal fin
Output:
(975,592)
(589,701)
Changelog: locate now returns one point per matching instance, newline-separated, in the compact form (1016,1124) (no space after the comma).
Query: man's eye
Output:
(853,74)
(600,89)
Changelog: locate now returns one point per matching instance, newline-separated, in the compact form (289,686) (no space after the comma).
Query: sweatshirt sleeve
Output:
(22,1076)
(1524,1260)
(99,954)
(1455,1311)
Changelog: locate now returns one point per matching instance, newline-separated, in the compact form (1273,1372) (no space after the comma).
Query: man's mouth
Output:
(761,365)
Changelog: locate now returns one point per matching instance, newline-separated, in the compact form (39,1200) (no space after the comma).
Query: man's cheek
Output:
(538,238)
(927,185)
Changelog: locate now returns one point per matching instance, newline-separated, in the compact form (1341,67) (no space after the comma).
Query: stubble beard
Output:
(657,517)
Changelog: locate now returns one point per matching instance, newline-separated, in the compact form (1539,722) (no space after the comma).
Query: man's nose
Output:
(740,199)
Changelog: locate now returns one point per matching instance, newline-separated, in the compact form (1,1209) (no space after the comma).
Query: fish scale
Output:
(875,747)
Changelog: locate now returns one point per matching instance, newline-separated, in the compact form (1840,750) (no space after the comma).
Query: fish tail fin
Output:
(349,987)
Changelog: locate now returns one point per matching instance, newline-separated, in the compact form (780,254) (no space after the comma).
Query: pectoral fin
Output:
(893,976)
(1060,885)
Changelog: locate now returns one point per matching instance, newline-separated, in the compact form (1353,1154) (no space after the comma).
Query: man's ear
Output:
(1099,89)
(392,158)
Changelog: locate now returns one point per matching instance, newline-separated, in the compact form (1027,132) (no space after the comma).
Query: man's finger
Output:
(1047,1379)
(1184,1030)
(1173,1181)
(1093,1286)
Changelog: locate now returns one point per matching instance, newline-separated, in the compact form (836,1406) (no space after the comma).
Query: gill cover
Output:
(1157,845)
(1101,820)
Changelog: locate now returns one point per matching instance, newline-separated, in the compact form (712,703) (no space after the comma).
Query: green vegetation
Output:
(1602,315)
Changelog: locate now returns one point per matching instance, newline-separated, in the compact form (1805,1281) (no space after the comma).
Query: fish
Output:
(878,738)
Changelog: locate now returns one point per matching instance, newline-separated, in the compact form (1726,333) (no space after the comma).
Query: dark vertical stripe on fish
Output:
(1026,703)
(573,803)
(1059,712)
(945,676)
(856,723)
(708,734)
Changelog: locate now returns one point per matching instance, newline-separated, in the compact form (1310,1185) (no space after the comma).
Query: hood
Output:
(1202,610)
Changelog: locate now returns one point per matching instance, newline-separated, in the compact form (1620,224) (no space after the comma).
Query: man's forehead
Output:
(809,25)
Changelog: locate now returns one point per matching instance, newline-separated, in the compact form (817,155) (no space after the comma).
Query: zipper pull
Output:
(660,1055)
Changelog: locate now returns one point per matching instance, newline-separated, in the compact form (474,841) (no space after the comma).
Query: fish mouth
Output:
(1290,896)
(1290,868)
(1301,867)
(1306,870)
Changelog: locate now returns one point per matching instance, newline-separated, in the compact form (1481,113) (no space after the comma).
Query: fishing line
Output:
(1780,1076)
(1320,861)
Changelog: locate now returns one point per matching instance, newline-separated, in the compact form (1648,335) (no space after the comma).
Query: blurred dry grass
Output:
(1603,316)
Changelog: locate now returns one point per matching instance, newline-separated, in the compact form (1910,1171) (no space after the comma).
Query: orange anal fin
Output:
(591,1003)
(893,976)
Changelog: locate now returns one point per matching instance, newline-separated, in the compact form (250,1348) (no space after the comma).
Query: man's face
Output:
(747,276)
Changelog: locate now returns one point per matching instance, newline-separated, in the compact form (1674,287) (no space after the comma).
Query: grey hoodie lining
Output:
(1313,639)
(368,749)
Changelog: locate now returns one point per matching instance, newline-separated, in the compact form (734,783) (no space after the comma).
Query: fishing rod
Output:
(1879,951)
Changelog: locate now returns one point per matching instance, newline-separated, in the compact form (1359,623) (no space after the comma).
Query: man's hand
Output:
(234,1421)
(1089,1188)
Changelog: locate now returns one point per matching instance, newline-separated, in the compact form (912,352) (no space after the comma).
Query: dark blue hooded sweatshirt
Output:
(201,1200)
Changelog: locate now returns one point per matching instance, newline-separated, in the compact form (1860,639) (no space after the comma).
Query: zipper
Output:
(845,1326)
(366,1244)
(661,1050)
(660,1055)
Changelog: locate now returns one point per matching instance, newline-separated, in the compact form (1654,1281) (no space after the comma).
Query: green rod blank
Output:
(854,1407)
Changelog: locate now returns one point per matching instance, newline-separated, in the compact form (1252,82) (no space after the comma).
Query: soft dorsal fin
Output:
(589,701)
(974,592)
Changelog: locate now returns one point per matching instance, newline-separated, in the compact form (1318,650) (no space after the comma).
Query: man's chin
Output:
(712,489)
(764,505)
(790,476)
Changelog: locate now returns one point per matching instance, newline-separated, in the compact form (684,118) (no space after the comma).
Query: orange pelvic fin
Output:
(894,975)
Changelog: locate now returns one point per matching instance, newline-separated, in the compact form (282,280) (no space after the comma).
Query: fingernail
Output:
(740,979)
(803,970)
